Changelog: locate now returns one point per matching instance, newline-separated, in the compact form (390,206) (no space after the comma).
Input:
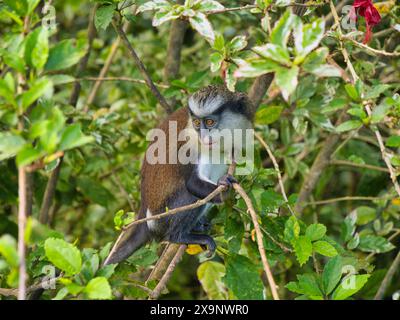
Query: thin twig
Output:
(247,7)
(277,170)
(142,68)
(368,48)
(122,189)
(357,165)
(385,156)
(41,285)
(127,79)
(22,209)
(259,237)
(387,280)
(104,70)
(168,273)
(347,198)
(174,211)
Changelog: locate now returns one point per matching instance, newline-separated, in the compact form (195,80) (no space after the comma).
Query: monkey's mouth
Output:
(209,144)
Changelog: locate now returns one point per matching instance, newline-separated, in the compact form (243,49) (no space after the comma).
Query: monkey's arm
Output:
(202,188)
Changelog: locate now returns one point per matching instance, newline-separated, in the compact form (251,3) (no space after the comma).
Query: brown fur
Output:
(160,181)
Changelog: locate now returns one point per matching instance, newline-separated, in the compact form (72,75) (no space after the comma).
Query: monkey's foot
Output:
(200,239)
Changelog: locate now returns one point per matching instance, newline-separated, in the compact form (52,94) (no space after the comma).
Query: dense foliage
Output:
(331,121)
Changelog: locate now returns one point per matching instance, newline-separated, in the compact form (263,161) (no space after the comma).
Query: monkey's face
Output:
(222,131)
(220,118)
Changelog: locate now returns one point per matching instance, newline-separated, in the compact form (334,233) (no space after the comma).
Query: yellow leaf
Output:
(194,249)
(396,201)
(384,6)
(253,234)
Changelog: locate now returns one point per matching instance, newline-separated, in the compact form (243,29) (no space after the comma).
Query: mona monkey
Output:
(166,185)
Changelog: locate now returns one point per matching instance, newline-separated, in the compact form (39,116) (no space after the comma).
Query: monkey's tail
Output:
(128,242)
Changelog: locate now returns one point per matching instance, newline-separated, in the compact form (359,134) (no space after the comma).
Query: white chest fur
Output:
(211,172)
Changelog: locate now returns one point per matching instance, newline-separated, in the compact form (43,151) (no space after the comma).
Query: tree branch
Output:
(388,278)
(142,68)
(277,170)
(54,175)
(259,237)
(168,273)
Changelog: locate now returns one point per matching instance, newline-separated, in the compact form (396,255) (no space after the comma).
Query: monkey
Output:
(171,185)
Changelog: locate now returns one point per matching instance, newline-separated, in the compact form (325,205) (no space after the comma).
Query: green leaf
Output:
(200,23)
(393,141)
(315,231)
(238,43)
(61,294)
(292,229)
(74,288)
(324,248)
(349,125)
(28,154)
(303,249)
(7,88)
(376,244)
(315,59)
(208,5)
(10,144)
(309,285)
(20,6)
(216,60)
(332,274)
(268,115)
(37,48)
(98,288)
(349,286)
(64,55)
(352,92)
(210,274)
(63,255)
(365,215)
(376,91)
(8,249)
(37,89)
(255,67)
(286,80)
(154,5)
(274,52)
(103,17)
(230,80)
(379,112)
(307,37)
(243,278)
(72,137)
(163,16)
(219,42)
(281,31)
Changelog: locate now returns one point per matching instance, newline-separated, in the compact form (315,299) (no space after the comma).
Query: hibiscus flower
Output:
(366,9)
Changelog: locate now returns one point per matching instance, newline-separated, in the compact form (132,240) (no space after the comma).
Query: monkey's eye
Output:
(196,123)
(210,122)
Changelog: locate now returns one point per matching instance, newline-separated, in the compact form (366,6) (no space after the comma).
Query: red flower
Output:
(366,9)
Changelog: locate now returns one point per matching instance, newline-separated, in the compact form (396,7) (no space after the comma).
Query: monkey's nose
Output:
(207,140)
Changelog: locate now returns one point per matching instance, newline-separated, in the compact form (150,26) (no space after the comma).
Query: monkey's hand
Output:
(227,180)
